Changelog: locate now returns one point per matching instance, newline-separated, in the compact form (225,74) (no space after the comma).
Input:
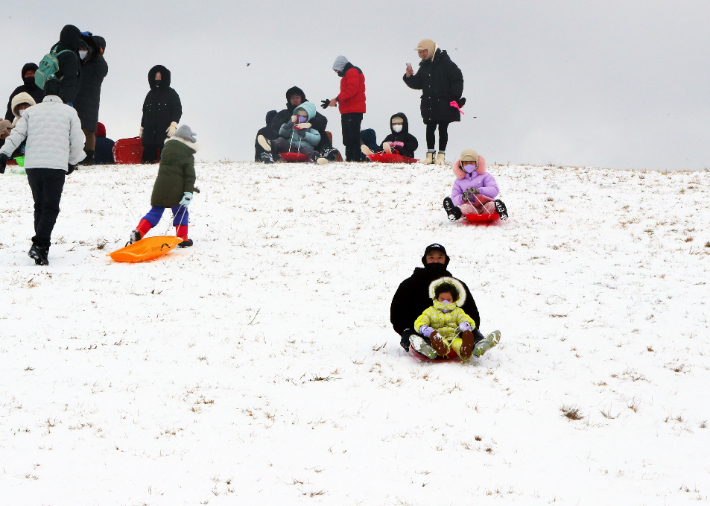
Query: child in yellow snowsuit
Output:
(447,325)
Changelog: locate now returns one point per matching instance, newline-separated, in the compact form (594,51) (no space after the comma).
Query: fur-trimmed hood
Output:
(448,281)
(19,99)
(460,173)
(187,143)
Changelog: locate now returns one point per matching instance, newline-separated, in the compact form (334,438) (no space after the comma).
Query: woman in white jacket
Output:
(55,144)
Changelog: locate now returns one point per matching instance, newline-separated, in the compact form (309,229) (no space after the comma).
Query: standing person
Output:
(104,146)
(67,54)
(29,86)
(441,82)
(351,103)
(54,146)
(93,71)
(162,111)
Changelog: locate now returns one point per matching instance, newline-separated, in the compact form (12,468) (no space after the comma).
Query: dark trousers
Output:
(443,135)
(47,186)
(151,154)
(351,135)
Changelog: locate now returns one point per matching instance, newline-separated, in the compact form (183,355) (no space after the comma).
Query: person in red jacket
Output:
(351,103)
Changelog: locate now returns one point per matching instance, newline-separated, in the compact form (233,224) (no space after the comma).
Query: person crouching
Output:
(174,186)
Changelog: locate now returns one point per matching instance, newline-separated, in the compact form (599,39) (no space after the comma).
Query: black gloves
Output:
(3,163)
(325,103)
(72,168)
(461,101)
(405,339)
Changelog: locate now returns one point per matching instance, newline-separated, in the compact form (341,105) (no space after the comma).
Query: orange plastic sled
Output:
(146,249)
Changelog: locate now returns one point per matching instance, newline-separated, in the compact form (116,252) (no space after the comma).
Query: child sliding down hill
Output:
(447,326)
(173,187)
(474,190)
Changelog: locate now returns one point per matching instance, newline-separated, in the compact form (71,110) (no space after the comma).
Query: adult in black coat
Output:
(93,71)
(268,133)
(295,97)
(162,111)
(28,86)
(410,143)
(412,296)
(441,82)
(69,63)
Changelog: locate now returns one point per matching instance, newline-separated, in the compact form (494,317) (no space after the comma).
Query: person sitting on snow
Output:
(474,190)
(297,135)
(446,325)
(104,146)
(174,186)
(267,133)
(400,141)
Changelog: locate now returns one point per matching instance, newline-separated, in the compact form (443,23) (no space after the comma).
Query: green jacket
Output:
(445,324)
(176,174)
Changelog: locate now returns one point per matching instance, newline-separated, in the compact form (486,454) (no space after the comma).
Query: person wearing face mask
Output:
(412,296)
(400,141)
(28,86)
(475,190)
(297,135)
(93,71)
(162,111)
(20,103)
(69,73)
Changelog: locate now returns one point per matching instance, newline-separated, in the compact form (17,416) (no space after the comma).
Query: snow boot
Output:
(452,211)
(267,157)
(429,158)
(438,343)
(134,238)
(420,345)
(501,210)
(39,254)
(264,143)
(466,348)
(387,148)
(185,244)
(365,150)
(181,233)
(89,160)
(487,343)
(139,233)
(440,158)
(330,154)
(322,160)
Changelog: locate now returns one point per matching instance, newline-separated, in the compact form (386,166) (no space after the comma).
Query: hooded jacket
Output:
(29,86)
(176,174)
(441,82)
(267,132)
(93,72)
(410,142)
(53,134)
(319,122)
(412,297)
(161,107)
(480,179)
(352,90)
(442,317)
(308,136)
(69,64)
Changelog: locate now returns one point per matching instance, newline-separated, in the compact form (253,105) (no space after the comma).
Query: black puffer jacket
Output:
(410,142)
(93,73)
(441,82)
(320,122)
(69,65)
(29,86)
(161,107)
(412,298)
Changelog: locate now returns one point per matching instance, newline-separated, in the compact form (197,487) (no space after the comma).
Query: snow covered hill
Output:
(259,366)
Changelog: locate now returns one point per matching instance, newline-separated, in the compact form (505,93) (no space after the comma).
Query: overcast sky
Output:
(587,83)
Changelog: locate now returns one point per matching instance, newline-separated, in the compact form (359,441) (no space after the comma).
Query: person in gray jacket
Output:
(55,145)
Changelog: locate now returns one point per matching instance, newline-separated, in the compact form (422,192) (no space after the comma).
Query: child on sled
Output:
(173,187)
(399,141)
(475,190)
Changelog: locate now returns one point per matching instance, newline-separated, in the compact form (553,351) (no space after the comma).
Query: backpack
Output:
(48,67)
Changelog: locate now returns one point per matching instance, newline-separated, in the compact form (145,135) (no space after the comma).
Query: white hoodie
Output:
(53,133)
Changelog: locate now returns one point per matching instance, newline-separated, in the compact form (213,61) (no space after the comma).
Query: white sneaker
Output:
(488,342)
(264,143)
(365,150)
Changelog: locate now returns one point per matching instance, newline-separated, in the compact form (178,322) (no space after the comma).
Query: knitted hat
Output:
(340,63)
(53,87)
(427,44)
(100,130)
(435,247)
(18,100)
(184,132)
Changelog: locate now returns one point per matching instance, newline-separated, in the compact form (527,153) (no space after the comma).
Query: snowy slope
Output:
(259,367)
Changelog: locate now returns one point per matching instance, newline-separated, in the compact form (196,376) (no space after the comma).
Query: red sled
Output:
(482,218)
(294,157)
(391,158)
(127,151)
(452,356)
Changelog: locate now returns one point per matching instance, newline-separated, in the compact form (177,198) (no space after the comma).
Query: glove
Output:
(461,101)
(397,144)
(72,168)
(426,331)
(3,163)
(294,119)
(186,199)
(140,135)
(172,129)
(303,126)
(468,194)
(325,103)
(404,343)
(464,326)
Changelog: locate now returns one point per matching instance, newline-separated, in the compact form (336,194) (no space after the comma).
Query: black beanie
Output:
(270,116)
(433,247)
(53,87)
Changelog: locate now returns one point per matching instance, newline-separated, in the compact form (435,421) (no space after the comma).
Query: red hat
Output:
(101,130)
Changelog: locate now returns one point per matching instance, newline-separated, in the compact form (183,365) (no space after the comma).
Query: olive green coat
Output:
(176,174)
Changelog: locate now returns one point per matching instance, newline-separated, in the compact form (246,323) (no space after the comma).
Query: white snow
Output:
(259,367)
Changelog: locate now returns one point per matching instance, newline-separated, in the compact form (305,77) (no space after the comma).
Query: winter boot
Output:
(440,158)
(487,343)
(421,346)
(438,343)
(466,348)
(39,254)
(89,160)
(501,210)
(134,238)
(387,148)
(331,154)
(452,211)
(429,158)
(267,157)
(365,150)
(322,160)
(264,143)
(181,233)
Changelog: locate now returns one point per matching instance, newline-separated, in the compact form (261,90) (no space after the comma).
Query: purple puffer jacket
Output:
(485,183)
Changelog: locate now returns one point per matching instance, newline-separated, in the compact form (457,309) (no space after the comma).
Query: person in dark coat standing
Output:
(28,86)
(441,82)
(412,296)
(162,111)
(295,97)
(93,71)
(69,63)
(351,103)
(267,133)
(104,146)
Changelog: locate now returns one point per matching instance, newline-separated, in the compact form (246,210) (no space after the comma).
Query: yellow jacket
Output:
(446,324)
